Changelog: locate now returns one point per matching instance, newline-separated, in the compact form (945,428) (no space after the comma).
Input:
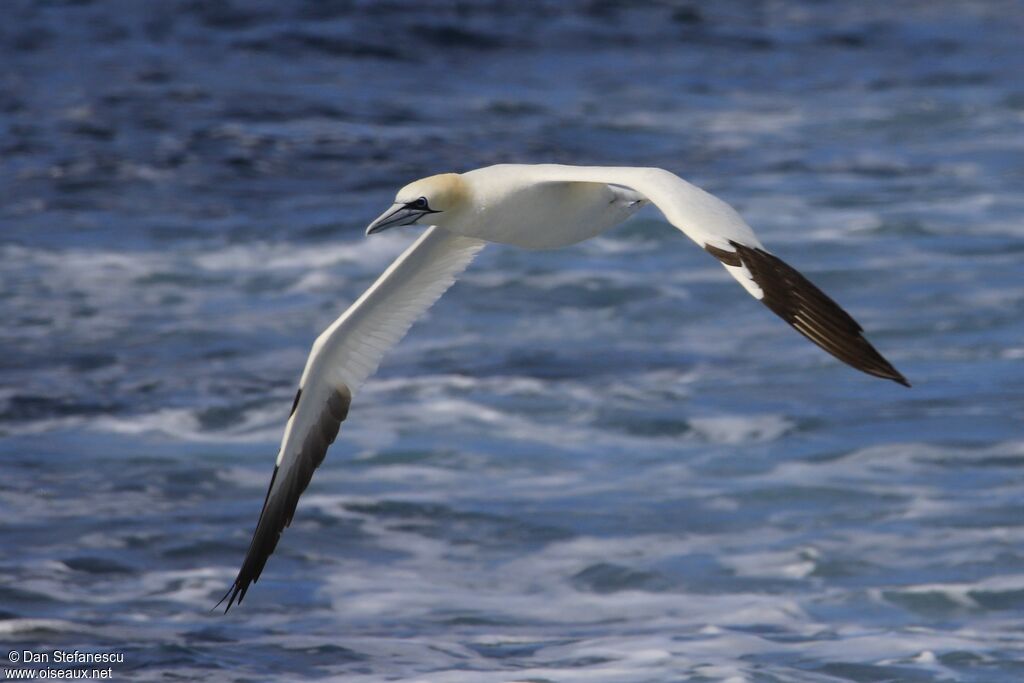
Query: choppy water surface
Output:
(604,463)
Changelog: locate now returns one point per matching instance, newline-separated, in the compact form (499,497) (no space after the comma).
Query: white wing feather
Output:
(701,216)
(350,350)
(716,227)
(342,358)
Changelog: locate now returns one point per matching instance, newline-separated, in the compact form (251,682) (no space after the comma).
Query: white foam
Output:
(369,254)
(735,429)
(17,627)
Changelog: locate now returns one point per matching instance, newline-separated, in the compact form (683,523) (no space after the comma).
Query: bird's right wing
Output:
(717,228)
(341,359)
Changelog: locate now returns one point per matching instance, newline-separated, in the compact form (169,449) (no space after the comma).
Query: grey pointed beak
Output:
(397,215)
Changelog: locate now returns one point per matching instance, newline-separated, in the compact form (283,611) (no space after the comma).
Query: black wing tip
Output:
(280,502)
(231,596)
(235,594)
(900,379)
(888,372)
(808,310)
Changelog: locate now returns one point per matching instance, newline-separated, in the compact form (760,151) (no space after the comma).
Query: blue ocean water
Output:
(604,463)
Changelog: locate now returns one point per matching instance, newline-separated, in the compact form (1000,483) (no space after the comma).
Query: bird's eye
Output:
(421,203)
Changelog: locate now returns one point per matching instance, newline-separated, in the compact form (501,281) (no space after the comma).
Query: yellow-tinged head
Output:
(437,196)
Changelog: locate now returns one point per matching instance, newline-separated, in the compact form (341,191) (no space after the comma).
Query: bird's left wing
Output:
(341,359)
(717,228)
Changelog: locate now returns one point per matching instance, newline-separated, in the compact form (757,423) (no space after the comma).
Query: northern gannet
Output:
(536,207)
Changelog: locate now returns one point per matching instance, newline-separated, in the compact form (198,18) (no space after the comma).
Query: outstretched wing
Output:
(341,359)
(716,227)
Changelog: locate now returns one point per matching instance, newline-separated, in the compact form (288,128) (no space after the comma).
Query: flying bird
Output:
(535,207)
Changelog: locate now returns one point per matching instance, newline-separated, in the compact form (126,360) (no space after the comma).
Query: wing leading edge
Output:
(341,359)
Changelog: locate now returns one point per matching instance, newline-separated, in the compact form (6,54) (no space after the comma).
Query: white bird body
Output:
(530,207)
(536,207)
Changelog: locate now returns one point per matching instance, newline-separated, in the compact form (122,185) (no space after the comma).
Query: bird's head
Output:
(433,200)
